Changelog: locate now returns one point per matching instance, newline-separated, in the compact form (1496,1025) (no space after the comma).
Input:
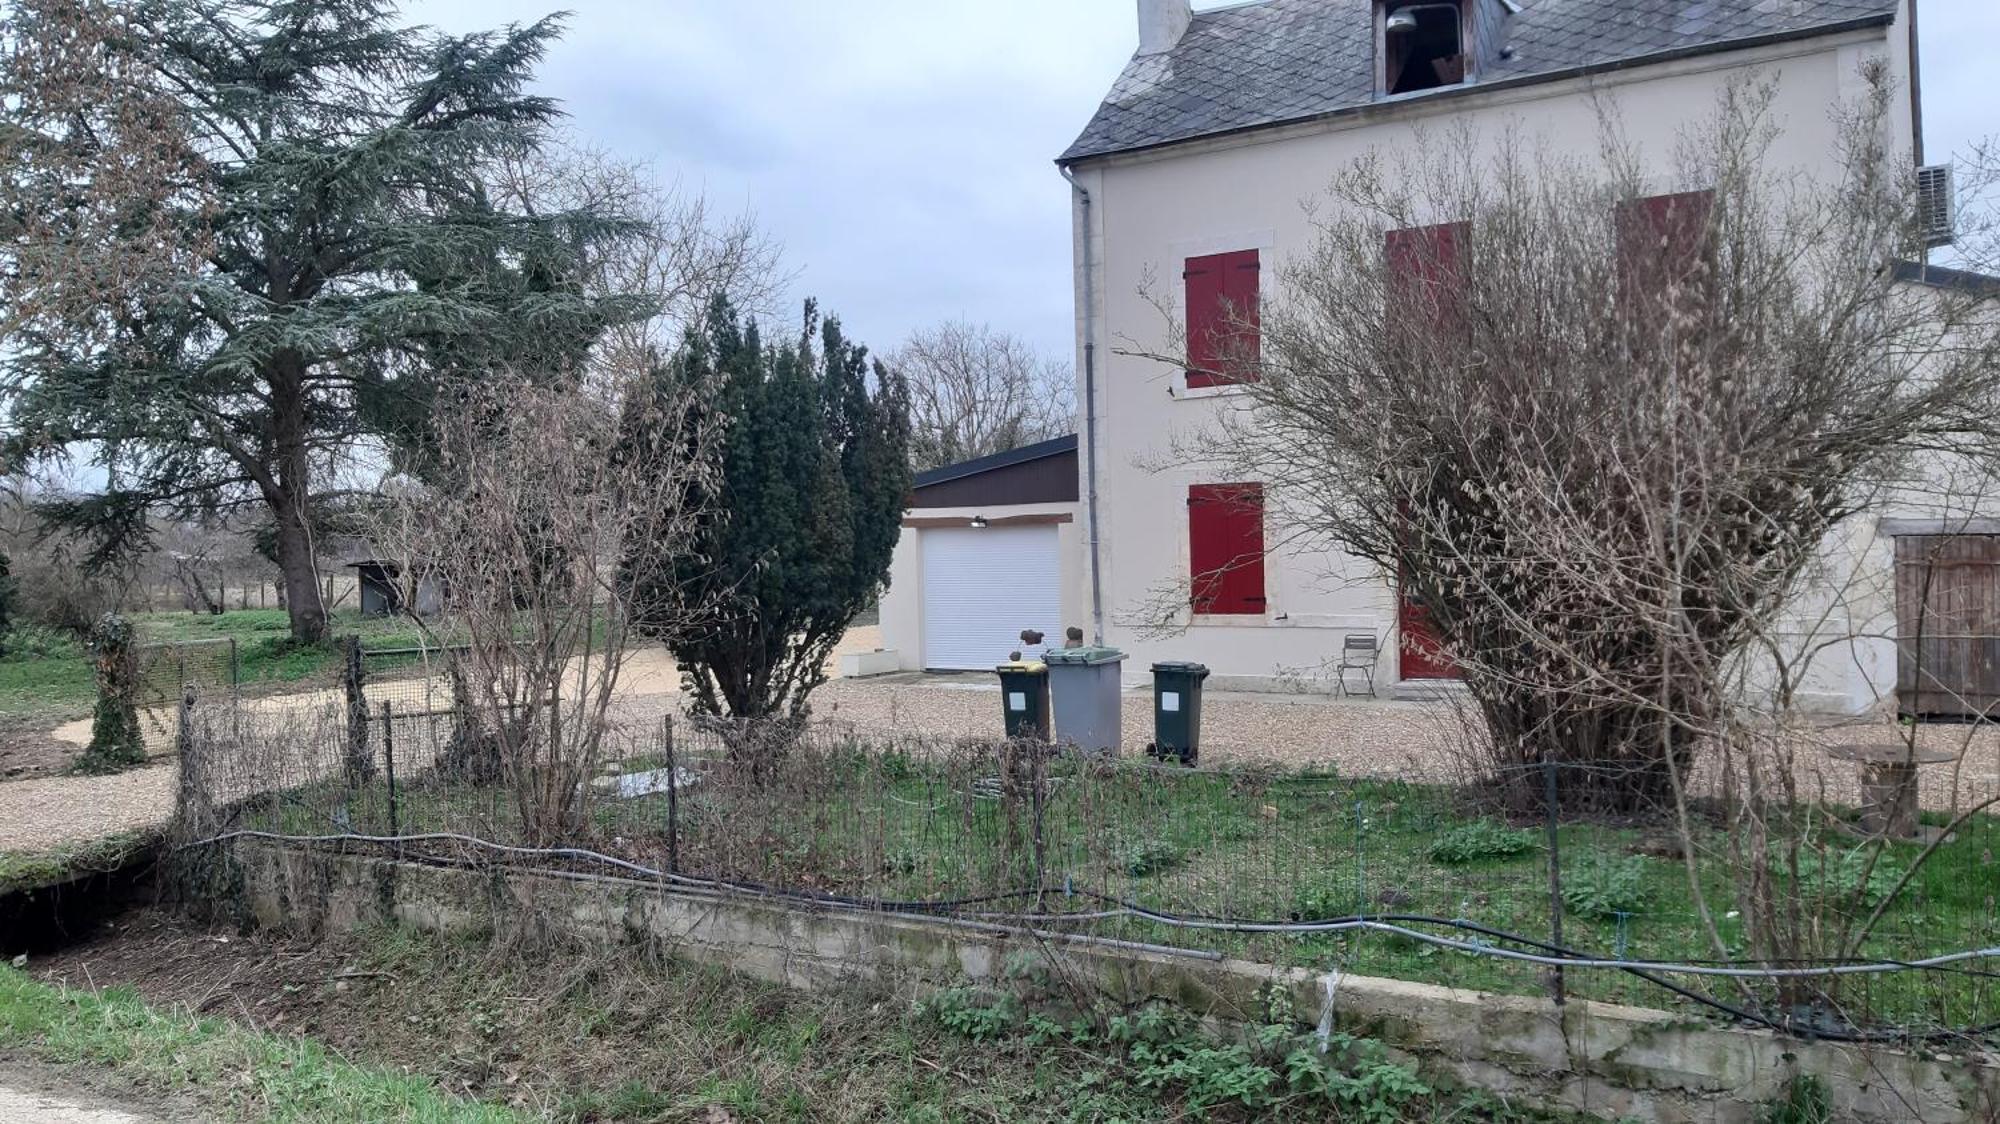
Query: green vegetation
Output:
(234,1073)
(815,471)
(8,594)
(117,742)
(389,134)
(1161,1052)
(46,673)
(32,870)
(1482,839)
(1605,887)
(586,1034)
(1272,847)
(1806,1102)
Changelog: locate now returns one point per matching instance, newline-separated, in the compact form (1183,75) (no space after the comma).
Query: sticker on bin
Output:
(1017,700)
(1170,701)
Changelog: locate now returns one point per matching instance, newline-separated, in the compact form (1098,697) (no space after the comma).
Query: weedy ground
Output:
(391,1024)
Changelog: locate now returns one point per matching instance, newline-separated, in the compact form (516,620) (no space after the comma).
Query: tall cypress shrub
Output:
(804,514)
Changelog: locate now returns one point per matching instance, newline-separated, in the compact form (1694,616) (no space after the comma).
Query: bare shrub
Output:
(540,491)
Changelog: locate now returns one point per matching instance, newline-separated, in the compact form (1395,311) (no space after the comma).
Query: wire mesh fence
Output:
(1296,867)
(211,668)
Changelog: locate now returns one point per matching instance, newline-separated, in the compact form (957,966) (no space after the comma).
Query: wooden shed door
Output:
(1948,625)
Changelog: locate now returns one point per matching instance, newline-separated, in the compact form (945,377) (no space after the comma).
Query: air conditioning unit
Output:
(1937,205)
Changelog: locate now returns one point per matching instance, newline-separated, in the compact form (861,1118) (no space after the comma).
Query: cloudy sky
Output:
(902,150)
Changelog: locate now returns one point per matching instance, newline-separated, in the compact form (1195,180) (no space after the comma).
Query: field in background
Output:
(45,674)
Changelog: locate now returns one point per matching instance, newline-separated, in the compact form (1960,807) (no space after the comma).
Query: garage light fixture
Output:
(979,523)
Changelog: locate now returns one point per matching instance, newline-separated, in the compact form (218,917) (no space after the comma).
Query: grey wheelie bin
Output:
(1084,684)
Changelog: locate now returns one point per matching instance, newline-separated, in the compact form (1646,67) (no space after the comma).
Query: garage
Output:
(990,548)
(982,587)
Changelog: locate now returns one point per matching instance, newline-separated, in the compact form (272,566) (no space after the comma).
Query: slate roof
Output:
(1279,61)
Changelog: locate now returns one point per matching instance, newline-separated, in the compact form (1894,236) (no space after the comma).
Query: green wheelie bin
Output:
(1177,711)
(1024,699)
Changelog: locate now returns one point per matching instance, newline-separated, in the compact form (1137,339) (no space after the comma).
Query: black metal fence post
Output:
(389,768)
(1556,982)
(360,765)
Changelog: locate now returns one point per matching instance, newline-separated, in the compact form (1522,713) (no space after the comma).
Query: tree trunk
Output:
(301,589)
(289,501)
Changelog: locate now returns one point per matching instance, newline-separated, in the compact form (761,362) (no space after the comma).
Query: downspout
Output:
(1089,266)
(1916,89)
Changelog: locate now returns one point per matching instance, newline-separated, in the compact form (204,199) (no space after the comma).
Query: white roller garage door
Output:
(982,587)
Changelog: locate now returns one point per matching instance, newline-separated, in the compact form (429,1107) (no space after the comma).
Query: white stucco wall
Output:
(903,605)
(1149,212)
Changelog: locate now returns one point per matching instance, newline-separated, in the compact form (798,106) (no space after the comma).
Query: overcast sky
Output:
(902,150)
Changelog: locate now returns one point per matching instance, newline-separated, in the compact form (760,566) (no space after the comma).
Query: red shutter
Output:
(1226,548)
(1662,242)
(1223,318)
(1424,272)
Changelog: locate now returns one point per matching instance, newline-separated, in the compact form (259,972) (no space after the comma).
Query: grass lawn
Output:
(1278,848)
(231,1072)
(51,675)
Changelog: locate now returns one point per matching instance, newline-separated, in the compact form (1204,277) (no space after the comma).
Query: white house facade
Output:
(1191,184)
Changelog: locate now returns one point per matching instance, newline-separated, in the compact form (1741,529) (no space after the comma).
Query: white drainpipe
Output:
(1090,407)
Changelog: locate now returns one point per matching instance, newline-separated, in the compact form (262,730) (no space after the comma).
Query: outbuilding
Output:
(991,548)
(385,593)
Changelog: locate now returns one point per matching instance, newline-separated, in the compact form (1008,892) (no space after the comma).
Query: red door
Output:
(1423,657)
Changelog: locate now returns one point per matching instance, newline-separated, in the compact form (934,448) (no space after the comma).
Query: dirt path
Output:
(33,1096)
(51,812)
(47,813)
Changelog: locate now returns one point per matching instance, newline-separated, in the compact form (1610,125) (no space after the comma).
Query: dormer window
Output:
(1424,45)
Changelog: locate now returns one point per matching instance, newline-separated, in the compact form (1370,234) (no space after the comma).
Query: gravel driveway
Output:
(1363,737)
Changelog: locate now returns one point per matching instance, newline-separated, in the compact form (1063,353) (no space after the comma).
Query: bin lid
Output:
(1022,667)
(1083,657)
(1179,667)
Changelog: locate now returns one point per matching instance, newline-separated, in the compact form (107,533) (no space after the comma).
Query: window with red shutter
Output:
(1226,549)
(1663,242)
(1223,318)
(1424,277)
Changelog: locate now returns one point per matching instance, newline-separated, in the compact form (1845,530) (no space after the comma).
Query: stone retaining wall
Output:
(1606,1060)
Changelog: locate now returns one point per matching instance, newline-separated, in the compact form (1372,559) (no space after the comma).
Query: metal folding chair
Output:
(1360,652)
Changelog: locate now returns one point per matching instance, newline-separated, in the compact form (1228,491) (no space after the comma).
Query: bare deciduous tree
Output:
(975,391)
(99,166)
(1601,424)
(676,254)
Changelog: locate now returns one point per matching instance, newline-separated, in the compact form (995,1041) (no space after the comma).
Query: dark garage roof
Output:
(1280,61)
(1008,459)
(1944,277)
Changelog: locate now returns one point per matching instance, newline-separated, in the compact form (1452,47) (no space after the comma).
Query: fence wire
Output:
(211,668)
(1413,880)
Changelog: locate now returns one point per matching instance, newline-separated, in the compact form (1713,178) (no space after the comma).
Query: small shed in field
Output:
(385,592)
